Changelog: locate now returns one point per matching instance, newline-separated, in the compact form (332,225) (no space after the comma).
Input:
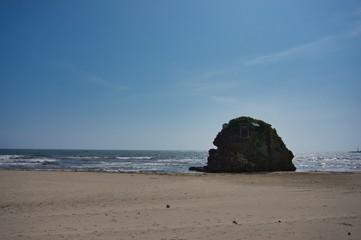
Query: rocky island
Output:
(248,145)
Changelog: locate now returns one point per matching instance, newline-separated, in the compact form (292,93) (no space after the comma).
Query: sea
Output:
(154,161)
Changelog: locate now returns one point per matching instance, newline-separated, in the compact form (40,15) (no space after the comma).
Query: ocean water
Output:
(328,161)
(102,160)
(154,161)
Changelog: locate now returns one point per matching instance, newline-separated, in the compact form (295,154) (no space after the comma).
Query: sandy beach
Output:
(89,205)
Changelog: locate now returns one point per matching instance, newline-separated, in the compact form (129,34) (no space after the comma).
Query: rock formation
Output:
(248,145)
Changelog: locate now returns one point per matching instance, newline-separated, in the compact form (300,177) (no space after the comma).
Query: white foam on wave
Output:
(134,158)
(23,160)
(11,157)
(83,157)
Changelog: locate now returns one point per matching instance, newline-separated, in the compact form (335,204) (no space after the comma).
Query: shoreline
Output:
(190,172)
(158,161)
(102,205)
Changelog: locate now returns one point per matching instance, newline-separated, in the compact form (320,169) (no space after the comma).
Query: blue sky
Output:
(166,74)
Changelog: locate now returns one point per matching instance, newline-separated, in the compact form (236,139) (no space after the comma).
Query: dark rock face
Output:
(249,145)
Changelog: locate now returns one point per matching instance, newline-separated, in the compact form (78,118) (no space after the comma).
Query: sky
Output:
(166,74)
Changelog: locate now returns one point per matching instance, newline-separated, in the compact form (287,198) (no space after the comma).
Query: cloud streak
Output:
(309,49)
(214,86)
(218,83)
(88,77)
(222,99)
(315,48)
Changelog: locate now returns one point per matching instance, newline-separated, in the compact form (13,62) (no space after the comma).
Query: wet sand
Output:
(88,205)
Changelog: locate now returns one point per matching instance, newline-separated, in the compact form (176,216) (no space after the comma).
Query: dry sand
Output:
(85,205)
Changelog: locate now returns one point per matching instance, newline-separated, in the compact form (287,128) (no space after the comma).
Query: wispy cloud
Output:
(308,49)
(218,83)
(358,13)
(222,99)
(213,86)
(355,32)
(315,48)
(88,77)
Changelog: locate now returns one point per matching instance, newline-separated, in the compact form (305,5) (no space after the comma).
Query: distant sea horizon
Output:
(173,161)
